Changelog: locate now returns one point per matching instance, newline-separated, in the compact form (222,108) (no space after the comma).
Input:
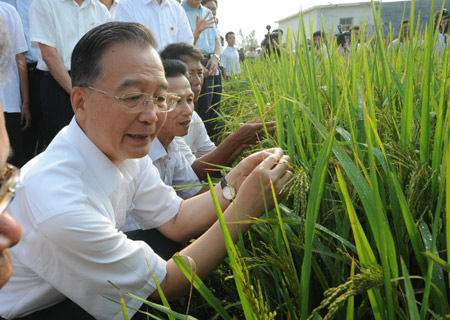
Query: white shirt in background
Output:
(72,202)
(168,21)
(10,97)
(230,61)
(61,24)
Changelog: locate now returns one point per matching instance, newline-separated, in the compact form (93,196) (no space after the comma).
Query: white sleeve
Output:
(154,202)
(42,24)
(18,37)
(201,143)
(84,251)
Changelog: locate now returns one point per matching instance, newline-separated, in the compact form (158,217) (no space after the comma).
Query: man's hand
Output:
(203,24)
(251,133)
(212,66)
(244,168)
(25,116)
(253,177)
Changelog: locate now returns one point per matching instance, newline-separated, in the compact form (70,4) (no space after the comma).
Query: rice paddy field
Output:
(365,230)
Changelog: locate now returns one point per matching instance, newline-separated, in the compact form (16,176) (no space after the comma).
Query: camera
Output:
(341,37)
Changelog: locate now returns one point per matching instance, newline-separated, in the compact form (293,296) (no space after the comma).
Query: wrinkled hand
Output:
(203,24)
(246,166)
(256,174)
(25,117)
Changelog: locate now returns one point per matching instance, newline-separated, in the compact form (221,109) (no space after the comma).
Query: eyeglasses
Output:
(9,178)
(135,102)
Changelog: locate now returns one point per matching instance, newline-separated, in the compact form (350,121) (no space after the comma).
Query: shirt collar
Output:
(189,8)
(157,150)
(163,2)
(107,174)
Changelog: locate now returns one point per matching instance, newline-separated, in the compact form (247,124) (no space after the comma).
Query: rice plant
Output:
(365,230)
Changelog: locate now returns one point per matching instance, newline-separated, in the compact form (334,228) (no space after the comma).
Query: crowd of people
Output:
(107,106)
(344,39)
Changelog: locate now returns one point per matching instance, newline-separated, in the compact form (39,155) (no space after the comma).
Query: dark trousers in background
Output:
(68,310)
(56,107)
(14,130)
(34,137)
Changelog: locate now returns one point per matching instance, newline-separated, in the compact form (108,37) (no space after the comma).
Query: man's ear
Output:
(78,98)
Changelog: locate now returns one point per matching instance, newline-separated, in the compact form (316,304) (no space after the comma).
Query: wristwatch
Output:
(217,56)
(228,192)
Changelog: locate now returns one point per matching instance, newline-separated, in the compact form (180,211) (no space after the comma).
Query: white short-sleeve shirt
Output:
(197,138)
(230,60)
(167,20)
(10,83)
(174,169)
(72,202)
(61,24)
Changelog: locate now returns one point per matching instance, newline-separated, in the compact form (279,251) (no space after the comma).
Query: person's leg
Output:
(13,127)
(205,101)
(216,98)
(56,107)
(66,309)
(33,138)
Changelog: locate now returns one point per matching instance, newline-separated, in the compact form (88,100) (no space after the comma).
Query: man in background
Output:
(34,137)
(230,56)
(55,28)
(14,86)
(208,42)
(165,18)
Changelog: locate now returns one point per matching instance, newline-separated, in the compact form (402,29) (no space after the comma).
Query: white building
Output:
(331,16)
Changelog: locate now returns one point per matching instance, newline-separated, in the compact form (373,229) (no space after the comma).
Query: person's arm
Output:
(244,137)
(56,66)
(25,114)
(209,250)
(213,63)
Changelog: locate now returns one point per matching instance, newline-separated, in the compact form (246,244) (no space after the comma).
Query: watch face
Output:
(228,192)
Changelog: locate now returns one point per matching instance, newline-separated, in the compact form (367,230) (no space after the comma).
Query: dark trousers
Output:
(14,130)
(68,310)
(34,137)
(56,107)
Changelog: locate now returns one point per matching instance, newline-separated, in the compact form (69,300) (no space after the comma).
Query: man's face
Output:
(117,133)
(317,42)
(10,231)
(195,75)
(211,5)
(231,40)
(179,119)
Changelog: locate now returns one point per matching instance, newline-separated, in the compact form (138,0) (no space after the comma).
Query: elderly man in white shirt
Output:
(72,200)
(55,28)
(166,18)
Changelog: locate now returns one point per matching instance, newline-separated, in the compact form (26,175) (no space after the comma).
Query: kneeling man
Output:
(73,199)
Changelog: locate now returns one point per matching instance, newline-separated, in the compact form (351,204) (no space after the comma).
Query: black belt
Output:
(31,67)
